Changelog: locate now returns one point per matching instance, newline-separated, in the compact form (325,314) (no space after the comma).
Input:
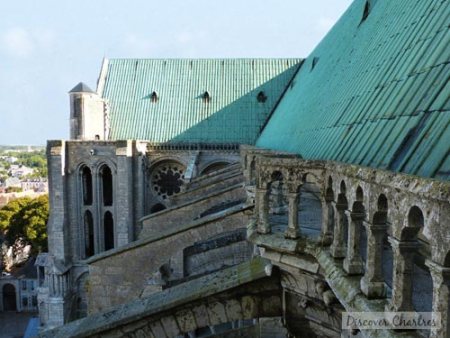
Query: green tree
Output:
(11,209)
(25,219)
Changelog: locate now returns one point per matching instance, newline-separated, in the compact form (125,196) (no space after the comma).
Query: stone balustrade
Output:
(407,215)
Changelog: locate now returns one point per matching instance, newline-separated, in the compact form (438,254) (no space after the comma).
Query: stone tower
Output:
(86,114)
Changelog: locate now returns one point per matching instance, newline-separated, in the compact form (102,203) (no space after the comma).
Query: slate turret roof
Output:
(81,88)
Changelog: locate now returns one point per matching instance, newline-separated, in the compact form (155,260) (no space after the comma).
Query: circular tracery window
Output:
(167,179)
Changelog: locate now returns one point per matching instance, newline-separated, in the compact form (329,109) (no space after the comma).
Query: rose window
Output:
(167,179)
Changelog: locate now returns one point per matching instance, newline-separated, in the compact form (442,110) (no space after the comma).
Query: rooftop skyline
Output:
(48,47)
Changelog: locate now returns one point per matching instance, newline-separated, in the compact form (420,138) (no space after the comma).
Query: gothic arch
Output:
(86,184)
(415,223)
(447,260)
(89,234)
(157,208)
(106,185)
(343,187)
(214,166)
(329,192)
(108,230)
(311,178)
(359,195)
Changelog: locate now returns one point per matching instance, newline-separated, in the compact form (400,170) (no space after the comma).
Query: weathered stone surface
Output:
(186,320)
(130,260)
(170,326)
(171,218)
(233,310)
(216,313)
(201,315)
(205,297)
(316,287)
(249,307)
(157,329)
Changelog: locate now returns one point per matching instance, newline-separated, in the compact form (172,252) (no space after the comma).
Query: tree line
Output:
(23,221)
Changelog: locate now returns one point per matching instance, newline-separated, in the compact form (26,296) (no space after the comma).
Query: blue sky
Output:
(48,46)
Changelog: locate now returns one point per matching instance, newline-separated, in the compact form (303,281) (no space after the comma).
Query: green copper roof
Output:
(375,92)
(165,100)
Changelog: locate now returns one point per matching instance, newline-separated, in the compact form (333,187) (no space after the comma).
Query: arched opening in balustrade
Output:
(338,248)
(359,208)
(108,228)
(422,283)
(359,194)
(310,207)
(86,185)
(343,187)
(278,204)
(342,205)
(380,219)
(89,249)
(106,180)
(382,204)
(330,216)
(252,172)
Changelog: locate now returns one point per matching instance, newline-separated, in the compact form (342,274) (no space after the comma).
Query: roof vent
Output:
(261,97)
(366,12)
(314,62)
(154,96)
(206,97)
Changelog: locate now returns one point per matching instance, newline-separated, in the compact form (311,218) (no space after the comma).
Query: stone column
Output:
(372,284)
(123,194)
(327,229)
(338,247)
(403,263)
(293,230)
(441,298)
(262,200)
(353,263)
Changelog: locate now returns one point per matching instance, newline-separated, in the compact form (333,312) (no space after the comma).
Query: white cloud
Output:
(19,42)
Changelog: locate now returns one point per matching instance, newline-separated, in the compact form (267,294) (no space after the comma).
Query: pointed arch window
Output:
(86,181)
(88,234)
(107,185)
(108,227)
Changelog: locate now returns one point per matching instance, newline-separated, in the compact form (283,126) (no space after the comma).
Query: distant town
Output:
(23,217)
(23,172)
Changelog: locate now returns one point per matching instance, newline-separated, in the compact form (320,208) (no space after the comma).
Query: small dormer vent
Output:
(206,97)
(261,97)
(367,8)
(154,97)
